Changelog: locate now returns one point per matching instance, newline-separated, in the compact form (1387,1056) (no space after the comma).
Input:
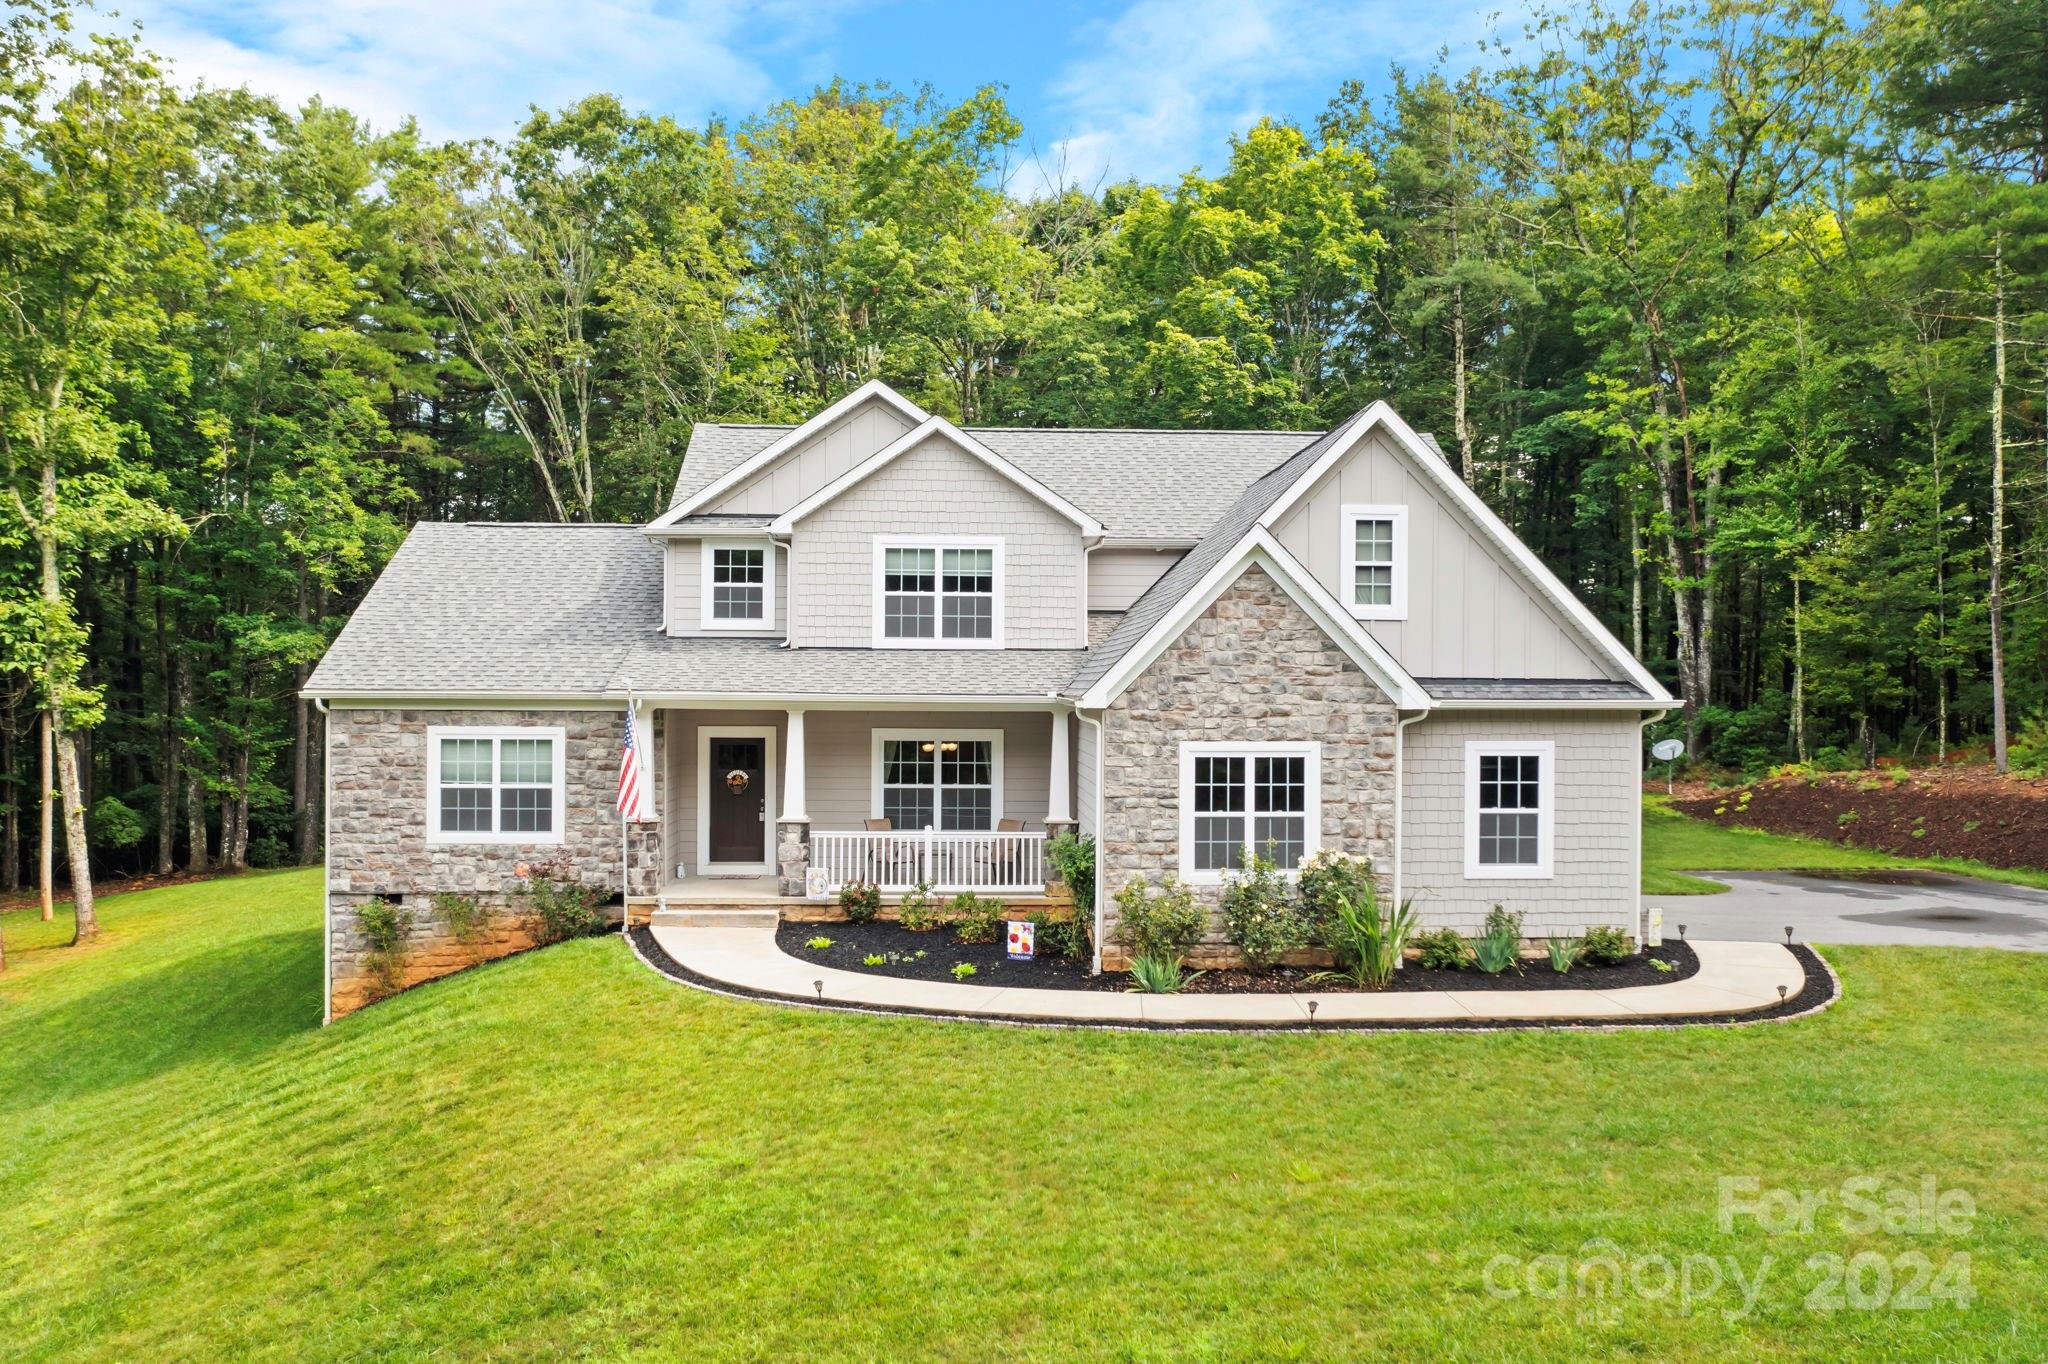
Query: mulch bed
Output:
(1822,989)
(852,942)
(1971,814)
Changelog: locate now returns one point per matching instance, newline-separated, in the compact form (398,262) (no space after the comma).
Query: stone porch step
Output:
(715,916)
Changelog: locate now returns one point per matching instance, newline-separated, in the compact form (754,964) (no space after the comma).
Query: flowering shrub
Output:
(1329,877)
(562,906)
(862,900)
(1260,913)
(1165,923)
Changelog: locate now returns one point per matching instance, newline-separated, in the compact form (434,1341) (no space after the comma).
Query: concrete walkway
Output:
(738,948)
(1906,908)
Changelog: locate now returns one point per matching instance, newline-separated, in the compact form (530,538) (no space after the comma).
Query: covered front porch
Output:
(787,805)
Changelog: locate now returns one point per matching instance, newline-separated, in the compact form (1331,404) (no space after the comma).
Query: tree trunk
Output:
(46,851)
(1798,676)
(87,922)
(10,875)
(1997,584)
(1635,576)
(196,860)
(168,747)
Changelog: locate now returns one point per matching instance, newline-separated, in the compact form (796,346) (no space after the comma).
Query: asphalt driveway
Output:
(1912,908)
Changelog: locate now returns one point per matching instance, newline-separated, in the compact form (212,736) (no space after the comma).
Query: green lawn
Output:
(564,1154)
(1674,844)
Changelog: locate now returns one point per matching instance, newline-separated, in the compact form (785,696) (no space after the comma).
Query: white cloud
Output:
(470,68)
(1164,82)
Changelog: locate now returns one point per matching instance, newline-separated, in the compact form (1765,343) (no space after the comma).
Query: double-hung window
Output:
(1375,543)
(1233,796)
(945,780)
(738,585)
(494,785)
(1508,809)
(938,594)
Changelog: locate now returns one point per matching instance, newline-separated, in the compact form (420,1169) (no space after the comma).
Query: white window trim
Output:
(436,733)
(1546,812)
(939,544)
(765,624)
(1352,514)
(705,734)
(1312,816)
(994,737)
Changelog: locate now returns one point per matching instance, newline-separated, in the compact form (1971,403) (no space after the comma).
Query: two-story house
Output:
(879,646)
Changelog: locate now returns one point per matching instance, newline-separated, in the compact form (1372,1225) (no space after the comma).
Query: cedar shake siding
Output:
(1595,800)
(938,491)
(1253,667)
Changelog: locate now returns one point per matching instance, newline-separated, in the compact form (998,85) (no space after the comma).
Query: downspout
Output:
(1400,780)
(1095,928)
(1638,798)
(326,851)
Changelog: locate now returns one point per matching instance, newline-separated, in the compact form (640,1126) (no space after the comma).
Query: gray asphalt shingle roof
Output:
(1168,485)
(1159,599)
(763,667)
(514,609)
(1530,689)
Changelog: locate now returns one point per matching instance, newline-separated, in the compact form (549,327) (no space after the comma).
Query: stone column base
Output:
(792,855)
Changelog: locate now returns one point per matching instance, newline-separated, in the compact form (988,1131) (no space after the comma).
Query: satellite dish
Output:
(1667,750)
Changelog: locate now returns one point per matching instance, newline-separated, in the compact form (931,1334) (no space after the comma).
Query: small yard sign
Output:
(818,883)
(1021,932)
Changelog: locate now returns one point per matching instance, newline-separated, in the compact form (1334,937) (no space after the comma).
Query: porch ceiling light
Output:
(928,746)
(950,746)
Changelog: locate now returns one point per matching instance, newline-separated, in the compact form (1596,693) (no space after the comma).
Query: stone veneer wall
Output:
(377,838)
(1254,666)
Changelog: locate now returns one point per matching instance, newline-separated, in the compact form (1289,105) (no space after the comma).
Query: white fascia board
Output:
(789,440)
(435,700)
(1619,703)
(928,429)
(894,701)
(757,531)
(1533,569)
(1260,548)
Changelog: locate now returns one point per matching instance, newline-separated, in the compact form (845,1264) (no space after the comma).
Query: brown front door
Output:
(738,795)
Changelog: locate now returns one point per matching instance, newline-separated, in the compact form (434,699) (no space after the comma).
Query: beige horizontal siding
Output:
(1118,577)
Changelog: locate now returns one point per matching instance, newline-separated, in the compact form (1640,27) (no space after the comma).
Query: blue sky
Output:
(1144,87)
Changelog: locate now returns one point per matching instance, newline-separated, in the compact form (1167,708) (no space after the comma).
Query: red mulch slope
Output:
(1971,813)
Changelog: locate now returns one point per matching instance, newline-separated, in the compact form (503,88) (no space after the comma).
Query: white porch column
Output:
(793,829)
(793,794)
(1059,804)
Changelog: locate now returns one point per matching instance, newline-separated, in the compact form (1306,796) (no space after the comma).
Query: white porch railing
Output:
(950,862)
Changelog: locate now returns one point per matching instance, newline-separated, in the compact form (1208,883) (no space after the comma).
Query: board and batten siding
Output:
(1469,614)
(1595,809)
(683,590)
(941,491)
(816,462)
(1118,577)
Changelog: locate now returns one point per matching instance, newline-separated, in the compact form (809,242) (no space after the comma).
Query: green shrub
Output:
(1504,921)
(963,969)
(1564,952)
(975,919)
(819,943)
(383,926)
(1328,877)
(2028,751)
(874,959)
(1073,857)
(1442,949)
(114,824)
(1260,914)
(563,907)
(860,900)
(1606,946)
(1368,940)
(916,911)
(1499,946)
(1165,924)
(1159,975)
(464,916)
(1065,938)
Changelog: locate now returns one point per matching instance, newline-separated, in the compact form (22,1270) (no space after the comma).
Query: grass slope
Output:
(1674,844)
(563,1154)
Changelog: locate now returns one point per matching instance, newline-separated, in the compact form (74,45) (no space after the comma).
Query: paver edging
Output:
(1821,989)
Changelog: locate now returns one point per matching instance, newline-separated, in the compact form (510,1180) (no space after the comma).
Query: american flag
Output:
(629,773)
